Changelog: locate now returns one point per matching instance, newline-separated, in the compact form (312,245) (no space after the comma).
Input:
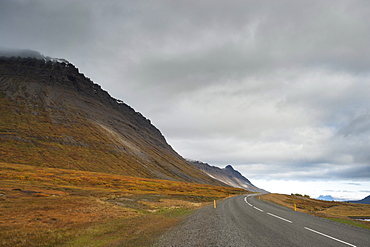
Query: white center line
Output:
(258,209)
(279,217)
(329,237)
(341,241)
(245,199)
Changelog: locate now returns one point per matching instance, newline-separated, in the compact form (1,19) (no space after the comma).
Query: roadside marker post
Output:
(214,204)
(295,207)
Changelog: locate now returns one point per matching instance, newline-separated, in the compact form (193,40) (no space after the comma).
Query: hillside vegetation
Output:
(59,207)
(53,116)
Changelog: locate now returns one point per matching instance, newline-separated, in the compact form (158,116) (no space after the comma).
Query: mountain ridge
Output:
(329,198)
(365,200)
(227,175)
(52,115)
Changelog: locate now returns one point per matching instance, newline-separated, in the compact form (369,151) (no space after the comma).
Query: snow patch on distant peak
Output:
(57,60)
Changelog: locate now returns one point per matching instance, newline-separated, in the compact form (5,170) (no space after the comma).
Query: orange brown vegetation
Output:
(326,209)
(42,206)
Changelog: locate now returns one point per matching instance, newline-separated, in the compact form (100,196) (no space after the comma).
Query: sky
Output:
(279,89)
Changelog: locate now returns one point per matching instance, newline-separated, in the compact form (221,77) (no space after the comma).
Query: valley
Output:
(81,168)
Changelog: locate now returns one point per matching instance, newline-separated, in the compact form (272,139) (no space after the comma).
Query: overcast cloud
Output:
(279,89)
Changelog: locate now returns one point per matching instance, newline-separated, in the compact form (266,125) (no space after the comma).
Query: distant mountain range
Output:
(329,198)
(227,175)
(366,200)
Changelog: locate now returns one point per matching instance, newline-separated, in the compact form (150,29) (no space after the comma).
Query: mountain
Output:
(26,53)
(366,200)
(54,116)
(326,198)
(329,198)
(227,175)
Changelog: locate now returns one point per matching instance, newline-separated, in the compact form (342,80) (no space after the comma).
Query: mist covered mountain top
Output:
(27,53)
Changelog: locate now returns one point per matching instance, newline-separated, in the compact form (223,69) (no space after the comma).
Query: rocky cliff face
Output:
(52,115)
(228,176)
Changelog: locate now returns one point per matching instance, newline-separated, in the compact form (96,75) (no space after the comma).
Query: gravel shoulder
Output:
(205,227)
(235,223)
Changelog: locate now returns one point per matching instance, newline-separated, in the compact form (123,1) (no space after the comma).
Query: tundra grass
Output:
(42,206)
(350,222)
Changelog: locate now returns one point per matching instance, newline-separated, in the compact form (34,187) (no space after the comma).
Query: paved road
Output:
(247,221)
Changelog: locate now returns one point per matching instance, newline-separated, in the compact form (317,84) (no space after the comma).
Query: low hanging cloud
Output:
(279,89)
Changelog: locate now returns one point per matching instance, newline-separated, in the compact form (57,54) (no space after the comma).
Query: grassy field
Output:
(339,211)
(42,206)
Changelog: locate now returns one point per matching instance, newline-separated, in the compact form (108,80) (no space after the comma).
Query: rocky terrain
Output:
(54,116)
(228,176)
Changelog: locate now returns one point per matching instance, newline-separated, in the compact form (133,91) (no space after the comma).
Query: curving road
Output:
(247,221)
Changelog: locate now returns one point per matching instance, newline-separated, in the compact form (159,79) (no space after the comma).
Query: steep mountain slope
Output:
(53,116)
(228,176)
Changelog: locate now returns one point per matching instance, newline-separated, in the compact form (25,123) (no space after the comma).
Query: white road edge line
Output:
(279,217)
(258,209)
(329,237)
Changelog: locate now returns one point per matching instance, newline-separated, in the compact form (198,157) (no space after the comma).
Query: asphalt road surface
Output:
(247,221)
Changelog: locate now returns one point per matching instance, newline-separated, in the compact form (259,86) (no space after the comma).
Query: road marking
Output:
(279,217)
(245,199)
(329,237)
(341,241)
(258,209)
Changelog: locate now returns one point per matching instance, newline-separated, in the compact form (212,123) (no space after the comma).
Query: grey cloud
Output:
(276,88)
(288,34)
(37,24)
(356,184)
(353,172)
(324,34)
(359,125)
(308,173)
